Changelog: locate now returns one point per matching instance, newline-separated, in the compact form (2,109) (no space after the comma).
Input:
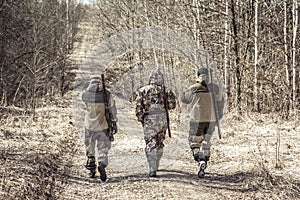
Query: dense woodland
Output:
(255,48)
(36,38)
(255,45)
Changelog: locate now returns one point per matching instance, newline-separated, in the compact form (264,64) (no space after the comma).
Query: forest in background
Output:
(41,155)
(36,39)
(255,45)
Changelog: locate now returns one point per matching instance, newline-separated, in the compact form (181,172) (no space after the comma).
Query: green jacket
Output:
(93,97)
(200,96)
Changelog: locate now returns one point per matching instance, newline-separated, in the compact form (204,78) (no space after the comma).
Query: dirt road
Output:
(233,173)
(42,156)
(242,164)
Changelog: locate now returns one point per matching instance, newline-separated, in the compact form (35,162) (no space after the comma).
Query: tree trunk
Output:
(196,18)
(294,63)
(226,44)
(237,58)
(256,108)
(286,52)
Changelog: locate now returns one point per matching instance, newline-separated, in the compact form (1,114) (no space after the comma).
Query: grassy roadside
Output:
(37,155)
(35,152)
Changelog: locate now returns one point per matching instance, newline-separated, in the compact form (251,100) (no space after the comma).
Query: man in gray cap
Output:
(97,125)
(203,116)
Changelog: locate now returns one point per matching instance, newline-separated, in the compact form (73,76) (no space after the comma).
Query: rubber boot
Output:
(159,156)
(151,158)
(91,165)
(153,168)
(101,169)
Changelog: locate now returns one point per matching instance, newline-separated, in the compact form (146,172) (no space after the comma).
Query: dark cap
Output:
(202,70)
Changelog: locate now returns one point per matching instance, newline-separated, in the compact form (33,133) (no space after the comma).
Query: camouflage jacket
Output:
(150,100)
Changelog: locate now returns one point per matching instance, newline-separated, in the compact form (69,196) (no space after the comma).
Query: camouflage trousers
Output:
(99,140)
(200,134)
(155,127)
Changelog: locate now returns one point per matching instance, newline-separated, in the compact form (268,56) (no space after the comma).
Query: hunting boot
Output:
(201,167)
(91,165)
(101,169)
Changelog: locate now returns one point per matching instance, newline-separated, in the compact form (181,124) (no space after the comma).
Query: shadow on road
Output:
(236,182)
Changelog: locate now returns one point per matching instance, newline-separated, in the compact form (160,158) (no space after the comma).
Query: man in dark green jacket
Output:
(202,116)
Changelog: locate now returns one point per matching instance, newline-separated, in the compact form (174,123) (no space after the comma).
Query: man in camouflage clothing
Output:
(151,112)
(96,126)
(202,116)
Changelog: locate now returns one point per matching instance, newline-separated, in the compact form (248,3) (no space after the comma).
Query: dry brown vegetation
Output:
(43,158)
(35,151)
(42,154)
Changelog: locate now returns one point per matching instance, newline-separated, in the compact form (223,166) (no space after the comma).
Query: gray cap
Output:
(95,78)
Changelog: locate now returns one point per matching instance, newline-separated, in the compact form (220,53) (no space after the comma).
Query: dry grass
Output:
(41,158)
(35,152)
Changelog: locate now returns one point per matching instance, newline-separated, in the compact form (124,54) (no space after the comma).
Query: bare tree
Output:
(256,55)
(34,52)
(294,52)
(259,38)
(226,52)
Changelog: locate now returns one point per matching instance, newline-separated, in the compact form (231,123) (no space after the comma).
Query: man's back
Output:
(202,101)
(151,97)
(95,118)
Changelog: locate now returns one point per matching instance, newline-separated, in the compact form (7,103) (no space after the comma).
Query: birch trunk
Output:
(294,63)
(196,31)
(226,74)
(255,57)
(285,43)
